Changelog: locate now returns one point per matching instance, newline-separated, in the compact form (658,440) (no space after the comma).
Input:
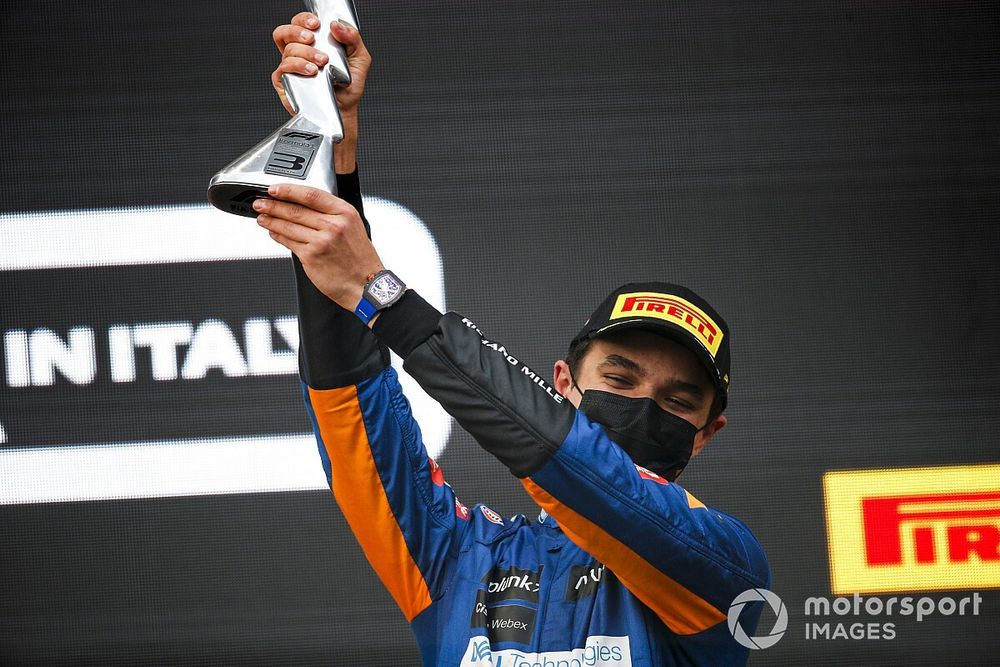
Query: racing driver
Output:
(623,566)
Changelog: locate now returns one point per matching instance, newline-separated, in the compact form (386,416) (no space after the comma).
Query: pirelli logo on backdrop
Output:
(913,529)
(671,309)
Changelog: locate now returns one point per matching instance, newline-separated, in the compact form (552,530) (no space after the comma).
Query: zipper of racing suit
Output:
(546,582)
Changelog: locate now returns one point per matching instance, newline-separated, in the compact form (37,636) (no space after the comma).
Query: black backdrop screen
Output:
(826,174)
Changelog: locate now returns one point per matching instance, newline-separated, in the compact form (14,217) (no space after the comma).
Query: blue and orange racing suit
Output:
(622,567)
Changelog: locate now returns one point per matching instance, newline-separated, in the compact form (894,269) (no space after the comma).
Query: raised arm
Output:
(393,496)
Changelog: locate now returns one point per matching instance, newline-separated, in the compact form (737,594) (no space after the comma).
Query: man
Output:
(623,567)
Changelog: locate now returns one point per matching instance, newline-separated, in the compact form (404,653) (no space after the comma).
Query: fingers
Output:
(292,66)
(299,55)
(302,218)
(294,246)
(290,220)
(303,54)
(349,36)
(296,59)
(299,31)
(301,221)
(317,200)
(306,20)
(294,33)
(291,232)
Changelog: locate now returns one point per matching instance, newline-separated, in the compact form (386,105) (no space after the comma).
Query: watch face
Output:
(385,288)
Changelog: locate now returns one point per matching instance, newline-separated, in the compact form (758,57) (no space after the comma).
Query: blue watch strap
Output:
(365,310)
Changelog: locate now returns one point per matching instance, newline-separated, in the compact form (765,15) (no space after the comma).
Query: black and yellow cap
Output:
(671,310)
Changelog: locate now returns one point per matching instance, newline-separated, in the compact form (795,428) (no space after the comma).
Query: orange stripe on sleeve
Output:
(681,610)
(362,498)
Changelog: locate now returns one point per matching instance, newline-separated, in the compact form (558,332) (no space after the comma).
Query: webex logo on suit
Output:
(152,352)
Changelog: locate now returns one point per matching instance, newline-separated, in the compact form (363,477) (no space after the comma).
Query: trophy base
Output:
(290,155)
(236,198)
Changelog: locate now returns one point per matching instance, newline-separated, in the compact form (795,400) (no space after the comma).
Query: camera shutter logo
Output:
(757,595)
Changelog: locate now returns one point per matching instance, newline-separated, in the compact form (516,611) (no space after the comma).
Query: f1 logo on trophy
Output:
(291,154)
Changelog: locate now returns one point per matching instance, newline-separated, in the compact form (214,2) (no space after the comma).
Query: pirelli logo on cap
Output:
(913,529)
(673,309)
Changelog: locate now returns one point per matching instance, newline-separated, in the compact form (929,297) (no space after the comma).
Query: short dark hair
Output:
(578,350)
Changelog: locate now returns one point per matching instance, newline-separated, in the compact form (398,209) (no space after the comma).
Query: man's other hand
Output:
(326,234)
(299,56)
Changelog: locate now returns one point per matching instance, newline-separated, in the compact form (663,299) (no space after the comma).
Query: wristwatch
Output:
(381,291)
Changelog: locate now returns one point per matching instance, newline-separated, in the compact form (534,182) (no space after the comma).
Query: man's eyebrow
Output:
(688,387)
(622,362)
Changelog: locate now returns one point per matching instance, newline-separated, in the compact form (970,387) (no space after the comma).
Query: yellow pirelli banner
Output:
(913,529)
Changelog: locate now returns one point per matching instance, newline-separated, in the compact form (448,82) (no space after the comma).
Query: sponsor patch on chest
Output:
(599,651)
(583,581)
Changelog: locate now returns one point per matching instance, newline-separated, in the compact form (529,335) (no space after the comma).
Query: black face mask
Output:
(651,436)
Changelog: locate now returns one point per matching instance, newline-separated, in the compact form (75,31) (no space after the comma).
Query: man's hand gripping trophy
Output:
(317,81)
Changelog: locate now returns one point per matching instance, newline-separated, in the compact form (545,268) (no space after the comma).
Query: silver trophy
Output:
(301,151)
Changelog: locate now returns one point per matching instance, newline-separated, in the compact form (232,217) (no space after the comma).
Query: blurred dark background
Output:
(826,174)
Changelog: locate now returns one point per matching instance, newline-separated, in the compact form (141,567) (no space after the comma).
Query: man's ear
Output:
(562,381)
(706,434)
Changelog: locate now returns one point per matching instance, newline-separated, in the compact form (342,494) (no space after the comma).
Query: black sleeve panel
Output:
(407,324)
(509,409)
(335,348)
(349,189)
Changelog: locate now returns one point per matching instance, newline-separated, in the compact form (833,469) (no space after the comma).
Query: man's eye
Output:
(678,404)
(617,380)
